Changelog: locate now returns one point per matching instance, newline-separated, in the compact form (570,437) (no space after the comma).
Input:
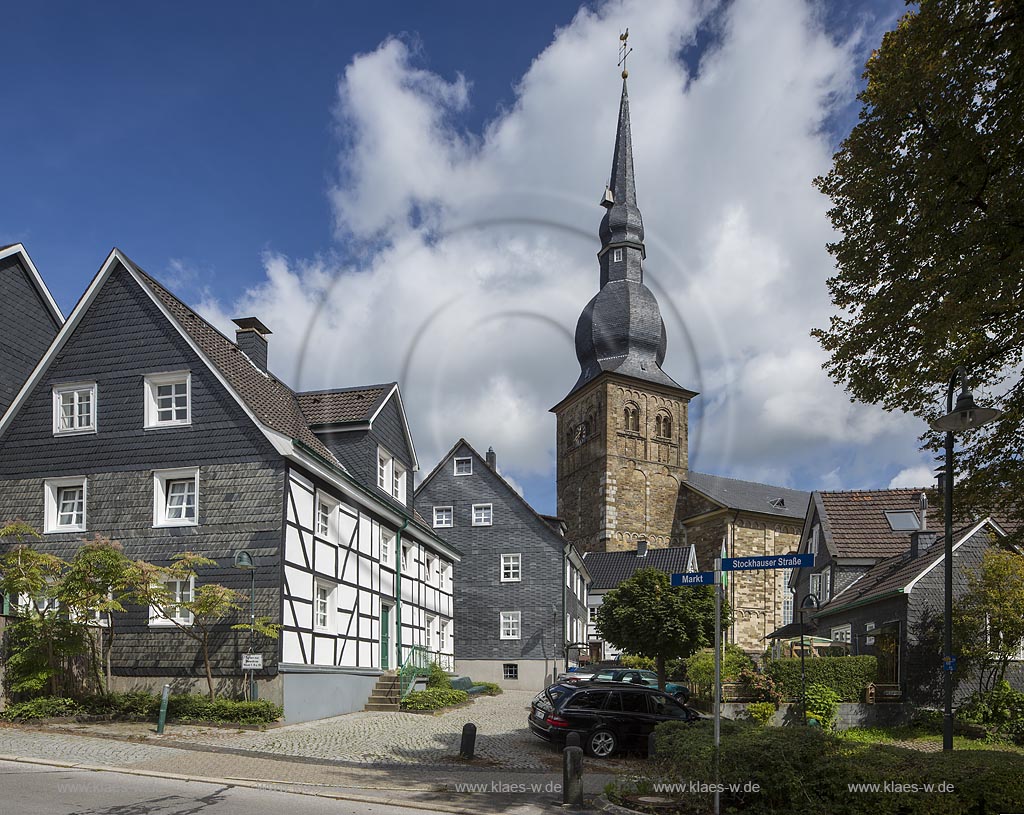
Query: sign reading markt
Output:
(252,662)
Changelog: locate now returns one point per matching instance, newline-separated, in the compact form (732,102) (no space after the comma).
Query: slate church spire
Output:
(621,329)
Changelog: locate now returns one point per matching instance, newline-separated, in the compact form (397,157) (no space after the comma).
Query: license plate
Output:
(538,714)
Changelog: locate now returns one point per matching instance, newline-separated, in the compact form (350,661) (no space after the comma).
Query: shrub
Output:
(635,661)
(438,677)
(761,685)
(822,704)
(847,676)
(489,688)
(433,699)
(139,706)
(761,712)
(808,770)
(1000,710)
(45,707)
(700,668)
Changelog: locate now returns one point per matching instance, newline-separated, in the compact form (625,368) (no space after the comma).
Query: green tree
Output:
(646,616)
(989,617)
(91,590)
(208,605)
(928,198)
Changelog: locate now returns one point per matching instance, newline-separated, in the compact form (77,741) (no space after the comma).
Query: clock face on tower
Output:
(579,433)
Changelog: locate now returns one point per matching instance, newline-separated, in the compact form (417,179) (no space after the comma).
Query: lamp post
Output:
(246,560)
(810,601)
(964,416)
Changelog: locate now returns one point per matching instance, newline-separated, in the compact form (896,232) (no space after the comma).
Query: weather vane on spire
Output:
(624,51)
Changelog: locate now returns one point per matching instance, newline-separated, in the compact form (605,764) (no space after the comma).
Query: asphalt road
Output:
(29,789)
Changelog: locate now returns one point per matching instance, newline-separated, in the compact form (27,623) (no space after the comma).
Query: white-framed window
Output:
(179,591)
(464,466)
(812,544)
(511,567)
(482,514)
(815,585)
(592,615)
(510,625)
(842,633)
(442,636)
(616,255)
(428,632)
(510,670)
(444,517)
(826,585)
(74,408)
(324,606)
(387,553)
(327,517)
(383,468)
(405,559)
(176,497)
(64,500)
(398,481)
(787,597)
(430,566)
(446,577)
(168,399)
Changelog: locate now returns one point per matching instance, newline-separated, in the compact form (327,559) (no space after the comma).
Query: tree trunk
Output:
(209,671)
(660,662)
(110,649)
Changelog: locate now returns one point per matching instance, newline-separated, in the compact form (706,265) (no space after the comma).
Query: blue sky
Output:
(343,167)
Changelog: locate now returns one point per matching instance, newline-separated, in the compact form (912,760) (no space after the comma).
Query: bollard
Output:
(163,709)
(573,740)
(572,776)
(468,746)
(652,746)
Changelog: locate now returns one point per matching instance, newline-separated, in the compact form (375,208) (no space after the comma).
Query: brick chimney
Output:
(251,337)
(492,458)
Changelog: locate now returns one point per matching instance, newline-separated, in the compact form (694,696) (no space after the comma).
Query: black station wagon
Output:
(607,715)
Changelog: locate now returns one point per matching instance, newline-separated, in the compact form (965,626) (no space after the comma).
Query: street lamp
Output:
(965,416)
(247,560)
(810,601)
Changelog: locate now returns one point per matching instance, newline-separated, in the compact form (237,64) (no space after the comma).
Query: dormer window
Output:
(391,476)
(168,399)
(74,409)
(398,482)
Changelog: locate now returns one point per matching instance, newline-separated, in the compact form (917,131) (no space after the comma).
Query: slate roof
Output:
(894,573)
(750,496)
(343,405)
(609,569)
(855,525)
(269,399)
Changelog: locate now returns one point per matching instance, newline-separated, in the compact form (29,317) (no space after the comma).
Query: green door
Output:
(385,637)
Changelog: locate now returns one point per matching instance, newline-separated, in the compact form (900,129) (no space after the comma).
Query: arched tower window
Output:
(663,426)
(631,417)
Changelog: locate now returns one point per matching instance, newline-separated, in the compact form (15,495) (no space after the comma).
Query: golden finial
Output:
(624,51)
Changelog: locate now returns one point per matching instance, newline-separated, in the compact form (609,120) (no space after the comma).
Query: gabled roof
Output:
(609,569)
(544,520)
(855,524)
(899,574)
(18,250)
(749,496)
(344,405)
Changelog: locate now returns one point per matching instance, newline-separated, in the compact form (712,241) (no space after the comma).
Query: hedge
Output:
(847,676)
(433,699)
(799,769)
(138,706)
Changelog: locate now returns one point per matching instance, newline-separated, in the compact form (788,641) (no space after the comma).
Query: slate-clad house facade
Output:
(520,587)
(29,320)
(178,439)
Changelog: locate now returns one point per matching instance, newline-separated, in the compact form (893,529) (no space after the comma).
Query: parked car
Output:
(640,676)
(609,716)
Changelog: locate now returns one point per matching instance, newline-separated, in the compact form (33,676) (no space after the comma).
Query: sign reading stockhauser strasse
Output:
(737,564)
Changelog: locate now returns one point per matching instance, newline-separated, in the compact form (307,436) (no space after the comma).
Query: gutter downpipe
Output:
(398,588)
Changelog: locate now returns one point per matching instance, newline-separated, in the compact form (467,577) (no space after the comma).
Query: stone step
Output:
(383,698)
(381,707)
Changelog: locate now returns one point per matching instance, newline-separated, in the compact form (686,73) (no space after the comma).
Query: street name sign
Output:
(693,579)
(738,564)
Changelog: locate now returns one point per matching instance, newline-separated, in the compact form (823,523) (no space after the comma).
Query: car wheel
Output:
(602,743)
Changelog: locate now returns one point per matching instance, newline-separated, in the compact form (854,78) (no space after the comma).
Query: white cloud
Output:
(476,252)
(919,476)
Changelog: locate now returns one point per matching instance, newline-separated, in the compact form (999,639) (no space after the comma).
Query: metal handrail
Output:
(416,664)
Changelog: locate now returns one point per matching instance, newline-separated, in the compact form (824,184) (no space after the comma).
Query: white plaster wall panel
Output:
(300,584)
(346,597)
(366,653)
(366,570)
(346,527)
(364,534)
(291,650)
(324,651)
(293,546)
(325,559)
(365,601)
(350,572)
(387,584)
(300,481)
(303,507)
(303,615)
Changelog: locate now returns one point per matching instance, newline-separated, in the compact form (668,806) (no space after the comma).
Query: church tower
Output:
(622,429)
